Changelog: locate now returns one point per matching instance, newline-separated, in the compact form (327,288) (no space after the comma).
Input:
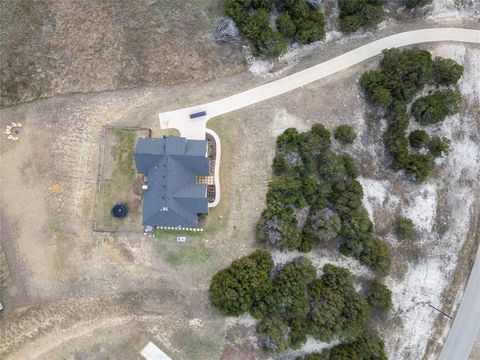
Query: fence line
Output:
(101,159)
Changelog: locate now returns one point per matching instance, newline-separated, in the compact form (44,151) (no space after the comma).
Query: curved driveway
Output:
(467,321)
(195,129)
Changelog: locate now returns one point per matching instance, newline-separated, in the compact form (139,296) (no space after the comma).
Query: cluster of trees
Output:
(356,14)
(297,21)
(293,303)
(309,174)
(393,87)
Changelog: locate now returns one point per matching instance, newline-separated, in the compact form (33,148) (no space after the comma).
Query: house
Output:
(170,166)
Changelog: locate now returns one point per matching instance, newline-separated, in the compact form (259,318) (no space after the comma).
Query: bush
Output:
(379,296)
(310,28)
(416,3)
(369,346)
(274,333)
(419,167)
(433,108)
(405,229)
(337,309)
(418,139)
(278,227)
(356,14)
(345,134)
(439,147)
(286,26)
(402,74)
(235,289)
(446,71)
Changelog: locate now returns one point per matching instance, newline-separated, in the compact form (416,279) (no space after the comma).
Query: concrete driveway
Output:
(195,128)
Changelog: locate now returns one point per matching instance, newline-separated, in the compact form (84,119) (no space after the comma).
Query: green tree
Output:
(379,296)
(337,309)
(310,28)
(405,229)
(235,289)
(439,147)
(369,346)
(356,14)
(274,333)
(446,71)
(419,167)
(286,25)
(345,134)
(416,3)
(278,228)
(418,139)
(433,108)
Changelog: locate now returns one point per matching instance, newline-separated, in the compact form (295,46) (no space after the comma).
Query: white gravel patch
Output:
(377,194)
(260,67)
(423,209)
(283,120)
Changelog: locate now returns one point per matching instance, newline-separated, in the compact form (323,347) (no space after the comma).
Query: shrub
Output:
(345,134)
(402,74)
(433,108)
(355,14)
(337,309)
(439,147)
(416,3)
(419,167)
(279,164)
(278,227)
(368,346)
(286,26)
(418,139)
(274,333)
(405,229)
(379,296)
(235,289)
(310,28)
(446,71)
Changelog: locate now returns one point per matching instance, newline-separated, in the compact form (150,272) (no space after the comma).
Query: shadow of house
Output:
(170,166)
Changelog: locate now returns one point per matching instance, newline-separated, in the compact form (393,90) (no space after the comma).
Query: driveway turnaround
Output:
(194,128)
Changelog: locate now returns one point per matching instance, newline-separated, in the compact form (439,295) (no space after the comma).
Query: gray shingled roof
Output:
(172,165)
